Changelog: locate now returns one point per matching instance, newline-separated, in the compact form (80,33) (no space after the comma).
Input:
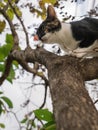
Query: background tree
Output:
(73,109)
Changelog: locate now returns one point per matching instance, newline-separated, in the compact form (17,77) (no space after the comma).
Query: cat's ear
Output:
(51,14)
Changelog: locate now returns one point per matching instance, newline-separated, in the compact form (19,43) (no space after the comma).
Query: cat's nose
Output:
(36,38)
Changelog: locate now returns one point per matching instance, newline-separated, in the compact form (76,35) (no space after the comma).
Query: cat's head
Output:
(47,29)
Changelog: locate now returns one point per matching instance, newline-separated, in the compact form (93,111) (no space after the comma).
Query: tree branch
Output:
(89,68)
(15,36)
(9,60)
(22,58)
(6,72)
(18,17)
(96,101)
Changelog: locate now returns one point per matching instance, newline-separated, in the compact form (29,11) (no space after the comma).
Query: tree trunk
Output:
(73,108)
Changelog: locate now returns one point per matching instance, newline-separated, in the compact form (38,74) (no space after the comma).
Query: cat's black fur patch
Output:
(49,25)
(85,30)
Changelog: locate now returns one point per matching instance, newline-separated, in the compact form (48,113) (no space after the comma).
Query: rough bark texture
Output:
(72,106)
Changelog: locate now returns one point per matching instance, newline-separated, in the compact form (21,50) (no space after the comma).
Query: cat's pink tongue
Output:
(36,38)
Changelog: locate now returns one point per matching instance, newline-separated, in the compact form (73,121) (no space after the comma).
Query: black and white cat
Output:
(79,38)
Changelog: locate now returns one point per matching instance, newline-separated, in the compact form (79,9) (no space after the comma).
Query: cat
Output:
(78,38)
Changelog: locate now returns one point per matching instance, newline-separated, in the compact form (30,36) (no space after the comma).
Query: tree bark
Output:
(73,108)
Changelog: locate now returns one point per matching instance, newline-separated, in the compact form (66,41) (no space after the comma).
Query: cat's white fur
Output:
(64,38)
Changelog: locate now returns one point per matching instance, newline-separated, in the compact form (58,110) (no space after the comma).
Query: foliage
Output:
(4,52)
(5,104)
(43,115)
(10,13)
(2,125)
(4,101)
(7,101)
(47,116)
(42,3)
(2,26)
(8,45)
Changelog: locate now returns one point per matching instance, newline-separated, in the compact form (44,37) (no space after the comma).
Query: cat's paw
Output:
(78,53)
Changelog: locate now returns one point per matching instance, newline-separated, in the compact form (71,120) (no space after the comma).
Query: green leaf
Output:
(9,38)
(1,5)
(11,75)
(24,120)
(10,13)
(18,11)
(2,125)
(33,124)
(1,110)
(43,114)
(15,63)
(4,51)
(12,1)
(7,101)
(49,126)
(1,56)
(1,92)
(2,25)
(1,67)
(5,1)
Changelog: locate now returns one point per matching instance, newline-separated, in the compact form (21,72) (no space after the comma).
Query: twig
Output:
(45,96)
(9,111)
(33,71)
(14,114)
(96,101)
(18,17)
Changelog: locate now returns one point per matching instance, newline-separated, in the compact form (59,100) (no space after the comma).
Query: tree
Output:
(72,107)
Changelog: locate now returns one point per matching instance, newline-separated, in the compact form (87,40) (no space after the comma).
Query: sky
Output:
(22,88)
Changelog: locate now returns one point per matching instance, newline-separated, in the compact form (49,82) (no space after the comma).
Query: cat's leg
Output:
(79,52)
(83,53)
